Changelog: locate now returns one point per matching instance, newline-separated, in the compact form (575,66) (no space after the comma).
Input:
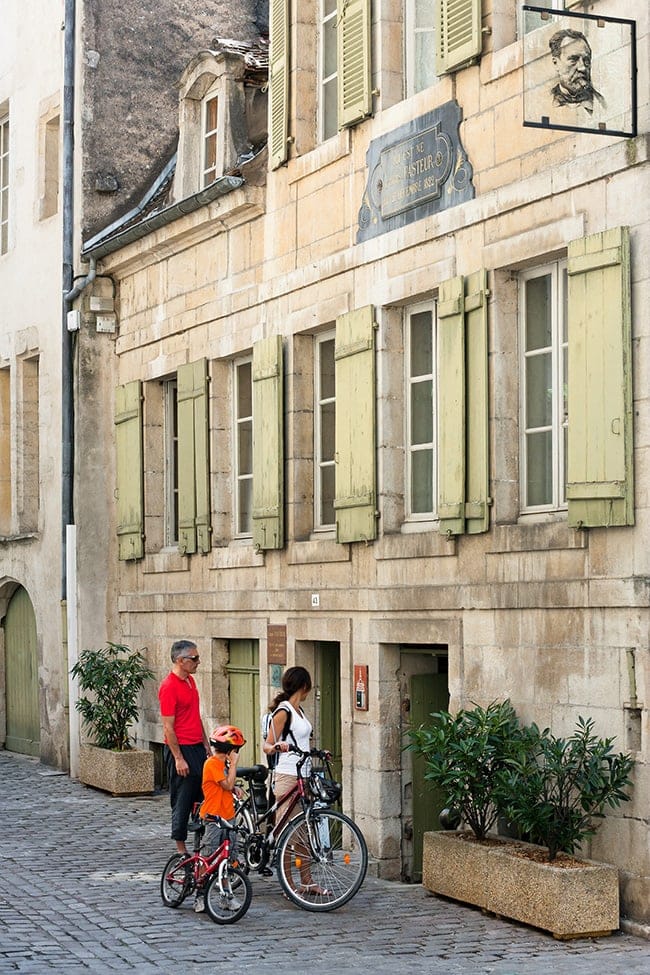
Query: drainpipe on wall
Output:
(68,534)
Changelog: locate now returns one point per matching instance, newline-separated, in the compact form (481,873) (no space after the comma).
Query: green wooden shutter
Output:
(268,444)
(458,33)
(356,499)
(202,455)
(185,461)
(353,42)
(477,512)
(451,407)
(130,502)
(600,488)
(279,82)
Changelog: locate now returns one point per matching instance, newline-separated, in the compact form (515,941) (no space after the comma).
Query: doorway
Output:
(327,702)
(424,688)
(21,676)
(244,680)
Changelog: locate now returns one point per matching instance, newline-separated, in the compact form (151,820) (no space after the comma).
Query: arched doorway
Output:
(21,676)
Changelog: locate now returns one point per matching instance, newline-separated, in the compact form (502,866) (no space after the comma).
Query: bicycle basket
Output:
(323,789)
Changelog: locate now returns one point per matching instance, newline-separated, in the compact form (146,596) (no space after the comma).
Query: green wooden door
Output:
(428,693)
(244,676)
(21,655)
(328,734)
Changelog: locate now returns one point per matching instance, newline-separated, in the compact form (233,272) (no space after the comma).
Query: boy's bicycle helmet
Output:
(226,737)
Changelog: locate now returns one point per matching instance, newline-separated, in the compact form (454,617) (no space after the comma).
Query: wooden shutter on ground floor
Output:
(356,493)
(600,486)
(458,33)
(268,444)
(279,67)
(193,458)
(477,512)
(354,81)
(130,501)
(451,406)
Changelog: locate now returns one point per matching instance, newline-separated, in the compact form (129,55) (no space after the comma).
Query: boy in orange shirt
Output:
(219,774)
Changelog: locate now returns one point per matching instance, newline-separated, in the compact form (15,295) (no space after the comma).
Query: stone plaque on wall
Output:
(419,169)
(276,644)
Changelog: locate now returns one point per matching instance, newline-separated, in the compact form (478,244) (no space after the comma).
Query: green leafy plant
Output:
(557,787)
(114,675)
(466,756)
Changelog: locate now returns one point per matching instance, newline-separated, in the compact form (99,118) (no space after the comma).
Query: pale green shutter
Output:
(268,444)
(193,458)
(202,455)
(355,503)
(185,461)
(353,39)
(476,384)
(128,436)
(600,488)
(279,82)
(458,33)
(451,407)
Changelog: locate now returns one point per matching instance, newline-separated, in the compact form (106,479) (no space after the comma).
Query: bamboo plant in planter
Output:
(114,676)
(551,790)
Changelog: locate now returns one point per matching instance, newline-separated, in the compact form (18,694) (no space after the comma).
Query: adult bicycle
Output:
(319,854)
(218,877)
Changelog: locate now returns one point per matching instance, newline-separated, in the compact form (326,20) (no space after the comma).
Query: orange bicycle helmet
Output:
(226,736)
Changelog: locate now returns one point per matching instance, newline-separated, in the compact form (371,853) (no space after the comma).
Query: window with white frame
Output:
(420,360)
(210,142)
(530,20)
(325,433)
(544,350)
(328,101)
(170,388)
(420,44)
(4,184)
(244,447)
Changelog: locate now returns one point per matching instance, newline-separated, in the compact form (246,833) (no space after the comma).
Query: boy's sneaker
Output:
(199,903)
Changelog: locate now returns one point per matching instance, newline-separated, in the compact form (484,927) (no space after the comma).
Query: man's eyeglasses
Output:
(193,659)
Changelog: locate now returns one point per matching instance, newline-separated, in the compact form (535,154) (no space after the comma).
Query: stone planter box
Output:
(571,901)
(120,773)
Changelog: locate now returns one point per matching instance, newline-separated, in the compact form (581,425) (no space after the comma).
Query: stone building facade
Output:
(121,60)
(381,408)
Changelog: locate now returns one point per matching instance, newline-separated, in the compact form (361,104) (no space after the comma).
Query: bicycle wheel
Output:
(176,881)
(321,861)
(228,895)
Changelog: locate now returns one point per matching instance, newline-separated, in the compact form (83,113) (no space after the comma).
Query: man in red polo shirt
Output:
(186,742)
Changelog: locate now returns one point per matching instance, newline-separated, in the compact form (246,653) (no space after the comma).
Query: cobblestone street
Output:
(80,894)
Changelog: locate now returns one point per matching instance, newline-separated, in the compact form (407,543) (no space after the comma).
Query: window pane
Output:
(422,412)
(245,506)
(211,115)
(539,391)
(538,312)
(422,481)
(539,455)
(424,69)
(425,13)
(330,110)
(244,391)
(210,152)
(421,344)
(327,387)
(245,431)
(327,516)
(327,432)
(329,48)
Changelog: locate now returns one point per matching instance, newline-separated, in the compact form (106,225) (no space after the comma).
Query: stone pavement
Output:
(80,893)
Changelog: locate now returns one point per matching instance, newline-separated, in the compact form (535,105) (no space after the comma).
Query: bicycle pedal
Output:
(266,872)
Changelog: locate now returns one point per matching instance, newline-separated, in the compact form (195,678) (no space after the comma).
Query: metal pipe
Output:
(67,391)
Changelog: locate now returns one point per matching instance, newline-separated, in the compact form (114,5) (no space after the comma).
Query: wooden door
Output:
(428,693)
(244,675)
(328,691)
(21,655)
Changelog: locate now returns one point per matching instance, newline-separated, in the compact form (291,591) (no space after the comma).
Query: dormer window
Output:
(211,168)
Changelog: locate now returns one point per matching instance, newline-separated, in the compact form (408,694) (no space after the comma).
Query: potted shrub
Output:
(551,789)
(113,677)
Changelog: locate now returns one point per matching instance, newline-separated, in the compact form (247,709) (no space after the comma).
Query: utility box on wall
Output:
(360,687)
